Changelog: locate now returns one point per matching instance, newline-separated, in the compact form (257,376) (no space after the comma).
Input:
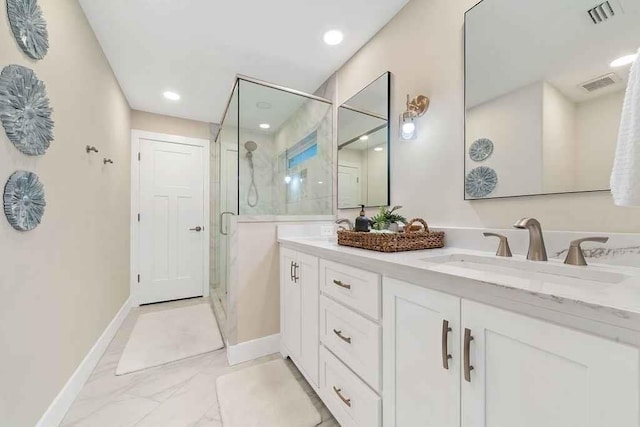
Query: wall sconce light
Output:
(416,107)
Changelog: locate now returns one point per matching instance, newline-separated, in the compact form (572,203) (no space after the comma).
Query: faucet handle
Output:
(575,256)
(503,248)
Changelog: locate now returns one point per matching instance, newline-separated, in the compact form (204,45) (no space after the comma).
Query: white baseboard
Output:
(254,349)
(61,404)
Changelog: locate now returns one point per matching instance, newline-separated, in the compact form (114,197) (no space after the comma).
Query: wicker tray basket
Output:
(394,242)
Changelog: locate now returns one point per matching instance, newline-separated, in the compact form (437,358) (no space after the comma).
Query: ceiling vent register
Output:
(601,12)
(600,82)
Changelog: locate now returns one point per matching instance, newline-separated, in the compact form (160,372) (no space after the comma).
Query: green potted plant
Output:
(388,219)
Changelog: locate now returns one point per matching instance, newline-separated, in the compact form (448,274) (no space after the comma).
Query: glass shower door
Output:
(226,197)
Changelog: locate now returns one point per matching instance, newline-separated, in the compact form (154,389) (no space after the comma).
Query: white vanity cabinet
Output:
(299,295)
(384,352)
(421,329)
(529,373)
(505,369)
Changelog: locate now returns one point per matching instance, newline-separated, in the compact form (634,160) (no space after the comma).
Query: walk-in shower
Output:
(253,196)
(273,159)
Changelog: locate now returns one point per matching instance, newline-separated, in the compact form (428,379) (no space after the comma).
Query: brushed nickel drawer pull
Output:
(345,400)
(342,285)
(467,357)
(445,344)
(342,337)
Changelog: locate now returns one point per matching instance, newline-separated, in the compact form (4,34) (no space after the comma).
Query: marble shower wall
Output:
(264,162)
(310,191)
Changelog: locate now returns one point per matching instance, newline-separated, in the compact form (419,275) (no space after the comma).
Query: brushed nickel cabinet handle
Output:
(467,357)
(296,277)
(342,337)
(445,344)
(291,275)
(342,285)
(344,399)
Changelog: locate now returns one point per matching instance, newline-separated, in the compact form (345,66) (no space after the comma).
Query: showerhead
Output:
(250,146)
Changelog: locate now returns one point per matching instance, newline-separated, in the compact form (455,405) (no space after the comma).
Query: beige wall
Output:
(559,149)
(151,122)
(257,288)
(514,123)
(62,283)
(597,123)
(423,48)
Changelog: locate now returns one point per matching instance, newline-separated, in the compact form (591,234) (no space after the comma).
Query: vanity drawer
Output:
(349,399)
(351,286)
(353,338)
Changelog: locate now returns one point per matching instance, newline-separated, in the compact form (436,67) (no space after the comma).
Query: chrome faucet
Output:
(537,250)
(345,221)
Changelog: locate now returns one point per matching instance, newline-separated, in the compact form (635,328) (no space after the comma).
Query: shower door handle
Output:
(222,221)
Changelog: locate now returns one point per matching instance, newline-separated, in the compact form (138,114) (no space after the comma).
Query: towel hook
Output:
(91,148)
(105,161)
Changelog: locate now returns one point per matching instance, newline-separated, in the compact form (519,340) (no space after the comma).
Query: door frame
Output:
(136,136)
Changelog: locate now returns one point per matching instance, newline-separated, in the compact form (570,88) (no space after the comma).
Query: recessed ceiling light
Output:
(364,137)
(624,60)
(320,182)
(263,105)
(265,125)
(333,37)
(171,96)
(378,149)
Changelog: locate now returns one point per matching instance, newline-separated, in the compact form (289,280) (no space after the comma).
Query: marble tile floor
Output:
(179,394)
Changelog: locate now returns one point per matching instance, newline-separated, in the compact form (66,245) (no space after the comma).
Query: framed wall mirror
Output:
(544,87)
(363,146)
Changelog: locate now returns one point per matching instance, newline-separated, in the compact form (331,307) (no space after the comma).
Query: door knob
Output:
(198,228)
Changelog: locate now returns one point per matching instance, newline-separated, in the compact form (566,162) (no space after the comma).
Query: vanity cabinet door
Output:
(290,298)
(530,373)
(420,387)
(307,277)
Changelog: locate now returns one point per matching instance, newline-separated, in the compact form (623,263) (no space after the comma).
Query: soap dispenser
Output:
(362,222)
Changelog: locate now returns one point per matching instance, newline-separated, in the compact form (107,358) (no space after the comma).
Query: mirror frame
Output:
(389,75)
(464,138)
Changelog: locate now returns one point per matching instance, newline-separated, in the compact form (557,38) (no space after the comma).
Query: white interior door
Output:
(172,221)
(349,192)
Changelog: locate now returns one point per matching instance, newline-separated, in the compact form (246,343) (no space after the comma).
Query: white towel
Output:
(625,176)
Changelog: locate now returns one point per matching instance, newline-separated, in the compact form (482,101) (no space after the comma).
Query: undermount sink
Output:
(520,268)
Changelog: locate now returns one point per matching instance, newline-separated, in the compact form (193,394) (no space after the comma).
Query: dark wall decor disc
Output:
(24,110)
(29,27)
(24,201)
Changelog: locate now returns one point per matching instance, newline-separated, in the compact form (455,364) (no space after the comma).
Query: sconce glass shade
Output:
(408,126)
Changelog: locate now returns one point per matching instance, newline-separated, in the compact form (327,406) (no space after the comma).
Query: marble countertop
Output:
(616,304)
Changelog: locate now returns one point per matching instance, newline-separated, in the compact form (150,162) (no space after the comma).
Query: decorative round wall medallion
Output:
(24,200)
(29,27)
(481,149)
(24,110)
(480,182)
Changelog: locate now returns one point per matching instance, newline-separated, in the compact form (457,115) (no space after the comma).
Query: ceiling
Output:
(260,104)
(196,47)
(511,44)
